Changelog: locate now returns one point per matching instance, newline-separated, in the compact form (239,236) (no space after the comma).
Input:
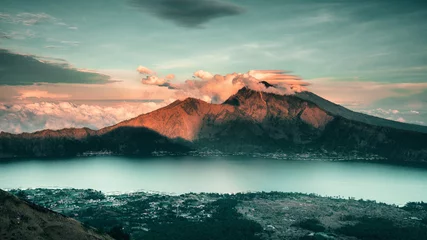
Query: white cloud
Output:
(18,35)
(218,88)
(203,75)
(31,117)
(29,19)
(145,70)
(406,116)
(70,43)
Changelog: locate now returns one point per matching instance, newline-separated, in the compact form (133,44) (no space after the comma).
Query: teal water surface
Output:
(380,182)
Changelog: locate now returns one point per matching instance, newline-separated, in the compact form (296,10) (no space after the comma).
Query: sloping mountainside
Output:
(338,110)
(71,142)
(248,122)
(22,220)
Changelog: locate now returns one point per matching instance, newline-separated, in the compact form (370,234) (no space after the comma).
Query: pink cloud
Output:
(361,92)
(145,70)
(170,76)
(24,94)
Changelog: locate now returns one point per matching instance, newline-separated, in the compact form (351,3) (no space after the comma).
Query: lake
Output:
(380,182)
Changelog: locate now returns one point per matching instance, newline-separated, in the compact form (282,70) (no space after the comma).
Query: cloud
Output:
(24,94)
(19,69)
(401,119)
(53,46)
(30,19)
(170,76)
(37,116)
(203,75)
(403,115)
(153,80)
(217,88)
(145,70)
(188,13)
(22,35)
(71,43)
(27,19)
(369,92)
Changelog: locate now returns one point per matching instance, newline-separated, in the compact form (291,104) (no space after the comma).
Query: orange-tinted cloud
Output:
(203,75)
(24,94)
(170,76)
(145,70)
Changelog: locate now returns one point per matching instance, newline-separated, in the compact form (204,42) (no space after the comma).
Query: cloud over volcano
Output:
(217,88)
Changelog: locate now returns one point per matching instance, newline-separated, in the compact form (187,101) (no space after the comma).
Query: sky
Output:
(94,63)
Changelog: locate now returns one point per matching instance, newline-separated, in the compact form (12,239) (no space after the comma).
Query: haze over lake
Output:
(380,182)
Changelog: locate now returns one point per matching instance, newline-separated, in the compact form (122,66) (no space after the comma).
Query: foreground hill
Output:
(22,220)
(248,122)
(241,216)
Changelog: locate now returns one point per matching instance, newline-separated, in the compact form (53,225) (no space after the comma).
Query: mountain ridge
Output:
(249,121)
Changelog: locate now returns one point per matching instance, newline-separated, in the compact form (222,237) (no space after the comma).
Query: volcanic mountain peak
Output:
(193,119)
(249,121)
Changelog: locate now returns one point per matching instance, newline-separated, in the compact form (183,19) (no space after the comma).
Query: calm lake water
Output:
(385,183)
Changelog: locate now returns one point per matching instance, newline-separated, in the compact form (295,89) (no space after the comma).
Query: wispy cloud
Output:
(362,92)
(188,13)
(18,35)
(410,116)
(24,94)
(53,46)
(26,18)
(70,43)
(30,19)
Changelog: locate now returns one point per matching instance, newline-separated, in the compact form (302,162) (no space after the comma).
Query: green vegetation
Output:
(415,206)
(382,229)
(311,224)
(251,216)
(117,233)
(225,224)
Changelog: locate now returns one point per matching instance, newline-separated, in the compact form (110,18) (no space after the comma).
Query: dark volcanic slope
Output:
(21,220)
(71,142)
(364,118)
(248,121)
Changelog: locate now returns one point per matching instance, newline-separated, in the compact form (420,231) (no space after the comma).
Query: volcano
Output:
(246,123)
